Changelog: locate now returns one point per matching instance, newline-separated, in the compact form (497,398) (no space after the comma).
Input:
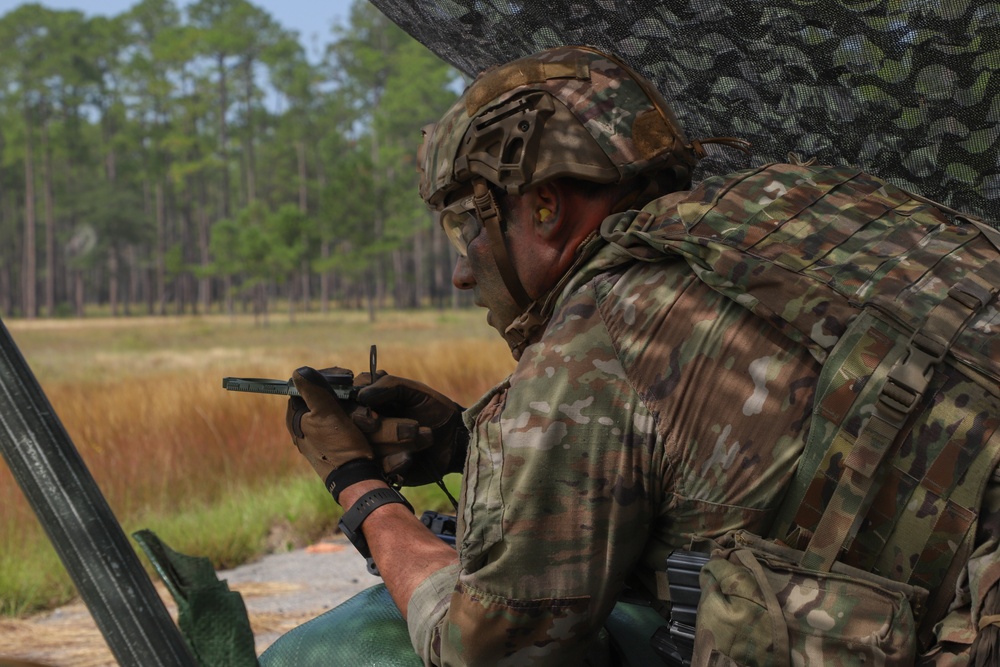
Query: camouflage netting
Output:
(906,89)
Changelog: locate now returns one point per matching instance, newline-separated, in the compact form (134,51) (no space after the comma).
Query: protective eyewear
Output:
(461,224)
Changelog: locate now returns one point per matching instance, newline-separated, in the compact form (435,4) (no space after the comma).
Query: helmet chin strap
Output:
(520,332)
(489,214)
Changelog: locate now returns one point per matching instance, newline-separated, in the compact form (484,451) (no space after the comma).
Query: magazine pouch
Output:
(759,607)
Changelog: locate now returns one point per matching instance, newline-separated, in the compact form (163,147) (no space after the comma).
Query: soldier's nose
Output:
(462,276)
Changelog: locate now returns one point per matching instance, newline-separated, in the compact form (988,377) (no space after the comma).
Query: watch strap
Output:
(350,523)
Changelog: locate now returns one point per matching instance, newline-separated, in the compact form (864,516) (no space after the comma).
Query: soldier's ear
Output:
(549,213)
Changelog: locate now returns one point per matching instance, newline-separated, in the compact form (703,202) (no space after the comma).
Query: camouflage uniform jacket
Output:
(650,409)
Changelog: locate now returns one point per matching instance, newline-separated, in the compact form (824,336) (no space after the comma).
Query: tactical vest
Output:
(897,297)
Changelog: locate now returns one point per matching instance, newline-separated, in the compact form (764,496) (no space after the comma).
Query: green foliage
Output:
(115,213)
(224,244)
(158,129)
(174,260)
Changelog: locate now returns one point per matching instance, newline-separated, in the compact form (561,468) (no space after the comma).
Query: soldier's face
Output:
(477,271)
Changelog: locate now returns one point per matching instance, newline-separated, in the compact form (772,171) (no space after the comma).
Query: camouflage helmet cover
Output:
(569,111)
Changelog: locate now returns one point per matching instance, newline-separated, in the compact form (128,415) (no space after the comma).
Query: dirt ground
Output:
(281,591)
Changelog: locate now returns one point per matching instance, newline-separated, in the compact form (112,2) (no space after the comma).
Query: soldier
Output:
(646,408)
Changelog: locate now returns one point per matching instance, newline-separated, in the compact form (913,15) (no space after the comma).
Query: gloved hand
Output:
(330,433)
(320,428)
(418,462)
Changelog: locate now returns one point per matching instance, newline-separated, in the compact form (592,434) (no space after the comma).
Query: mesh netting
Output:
(908,90)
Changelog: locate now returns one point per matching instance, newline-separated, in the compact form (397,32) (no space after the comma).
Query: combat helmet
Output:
(566,112)
(569,111)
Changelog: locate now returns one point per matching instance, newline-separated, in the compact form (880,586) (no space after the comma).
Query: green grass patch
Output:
(32,577)
(245,523)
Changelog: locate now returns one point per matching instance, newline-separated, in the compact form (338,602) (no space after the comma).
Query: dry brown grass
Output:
(145,407)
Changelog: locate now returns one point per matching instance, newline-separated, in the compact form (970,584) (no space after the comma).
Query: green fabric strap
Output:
(853,495)
(962,510)
(900,394)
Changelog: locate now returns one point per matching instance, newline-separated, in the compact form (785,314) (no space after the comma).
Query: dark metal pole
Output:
(80,524)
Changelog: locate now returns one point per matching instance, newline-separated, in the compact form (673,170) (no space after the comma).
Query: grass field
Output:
(212,472)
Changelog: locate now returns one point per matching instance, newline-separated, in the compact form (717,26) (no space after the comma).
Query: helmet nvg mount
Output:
(569,111)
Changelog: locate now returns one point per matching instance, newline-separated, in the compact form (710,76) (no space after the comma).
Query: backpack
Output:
(873,556)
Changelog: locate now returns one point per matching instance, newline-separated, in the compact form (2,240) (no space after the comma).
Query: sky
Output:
(310,18)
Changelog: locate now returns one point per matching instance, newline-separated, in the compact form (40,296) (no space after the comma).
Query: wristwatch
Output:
(350,523)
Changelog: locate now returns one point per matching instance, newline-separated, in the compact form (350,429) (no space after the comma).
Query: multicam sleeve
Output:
(556,509)
(427,607)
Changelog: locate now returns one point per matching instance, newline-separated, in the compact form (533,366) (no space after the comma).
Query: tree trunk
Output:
(29,269)
(223,139)
(305,285)
(133,293)
(6,302)
(204,255)
(113,280)
(7,260)
(266,291)
(300,152)
(111,172)
(186,294)
(378,225)
(251,157)
(370,294)
(420,286)
(111,164)
(184,288)
(378,271)
(440,262)
(67,275)
(50,225)
(78,293)
(161,251)
(227,284)
(260,303)
(402,288)
(324,280)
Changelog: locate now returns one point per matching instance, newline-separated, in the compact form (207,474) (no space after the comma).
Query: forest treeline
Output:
(194,160)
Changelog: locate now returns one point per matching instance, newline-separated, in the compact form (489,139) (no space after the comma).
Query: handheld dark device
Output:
(341,384)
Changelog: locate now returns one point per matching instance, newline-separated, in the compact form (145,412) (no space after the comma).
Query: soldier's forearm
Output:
(404,550)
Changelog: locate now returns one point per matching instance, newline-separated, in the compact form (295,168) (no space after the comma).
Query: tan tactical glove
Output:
(422,460)
(339,438)
(320,428)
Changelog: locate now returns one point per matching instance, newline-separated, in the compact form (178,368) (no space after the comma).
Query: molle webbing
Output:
(900,304)
(918,493)
(809,264)
(901,392)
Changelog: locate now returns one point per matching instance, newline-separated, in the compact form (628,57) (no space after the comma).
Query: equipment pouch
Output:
(760,608)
